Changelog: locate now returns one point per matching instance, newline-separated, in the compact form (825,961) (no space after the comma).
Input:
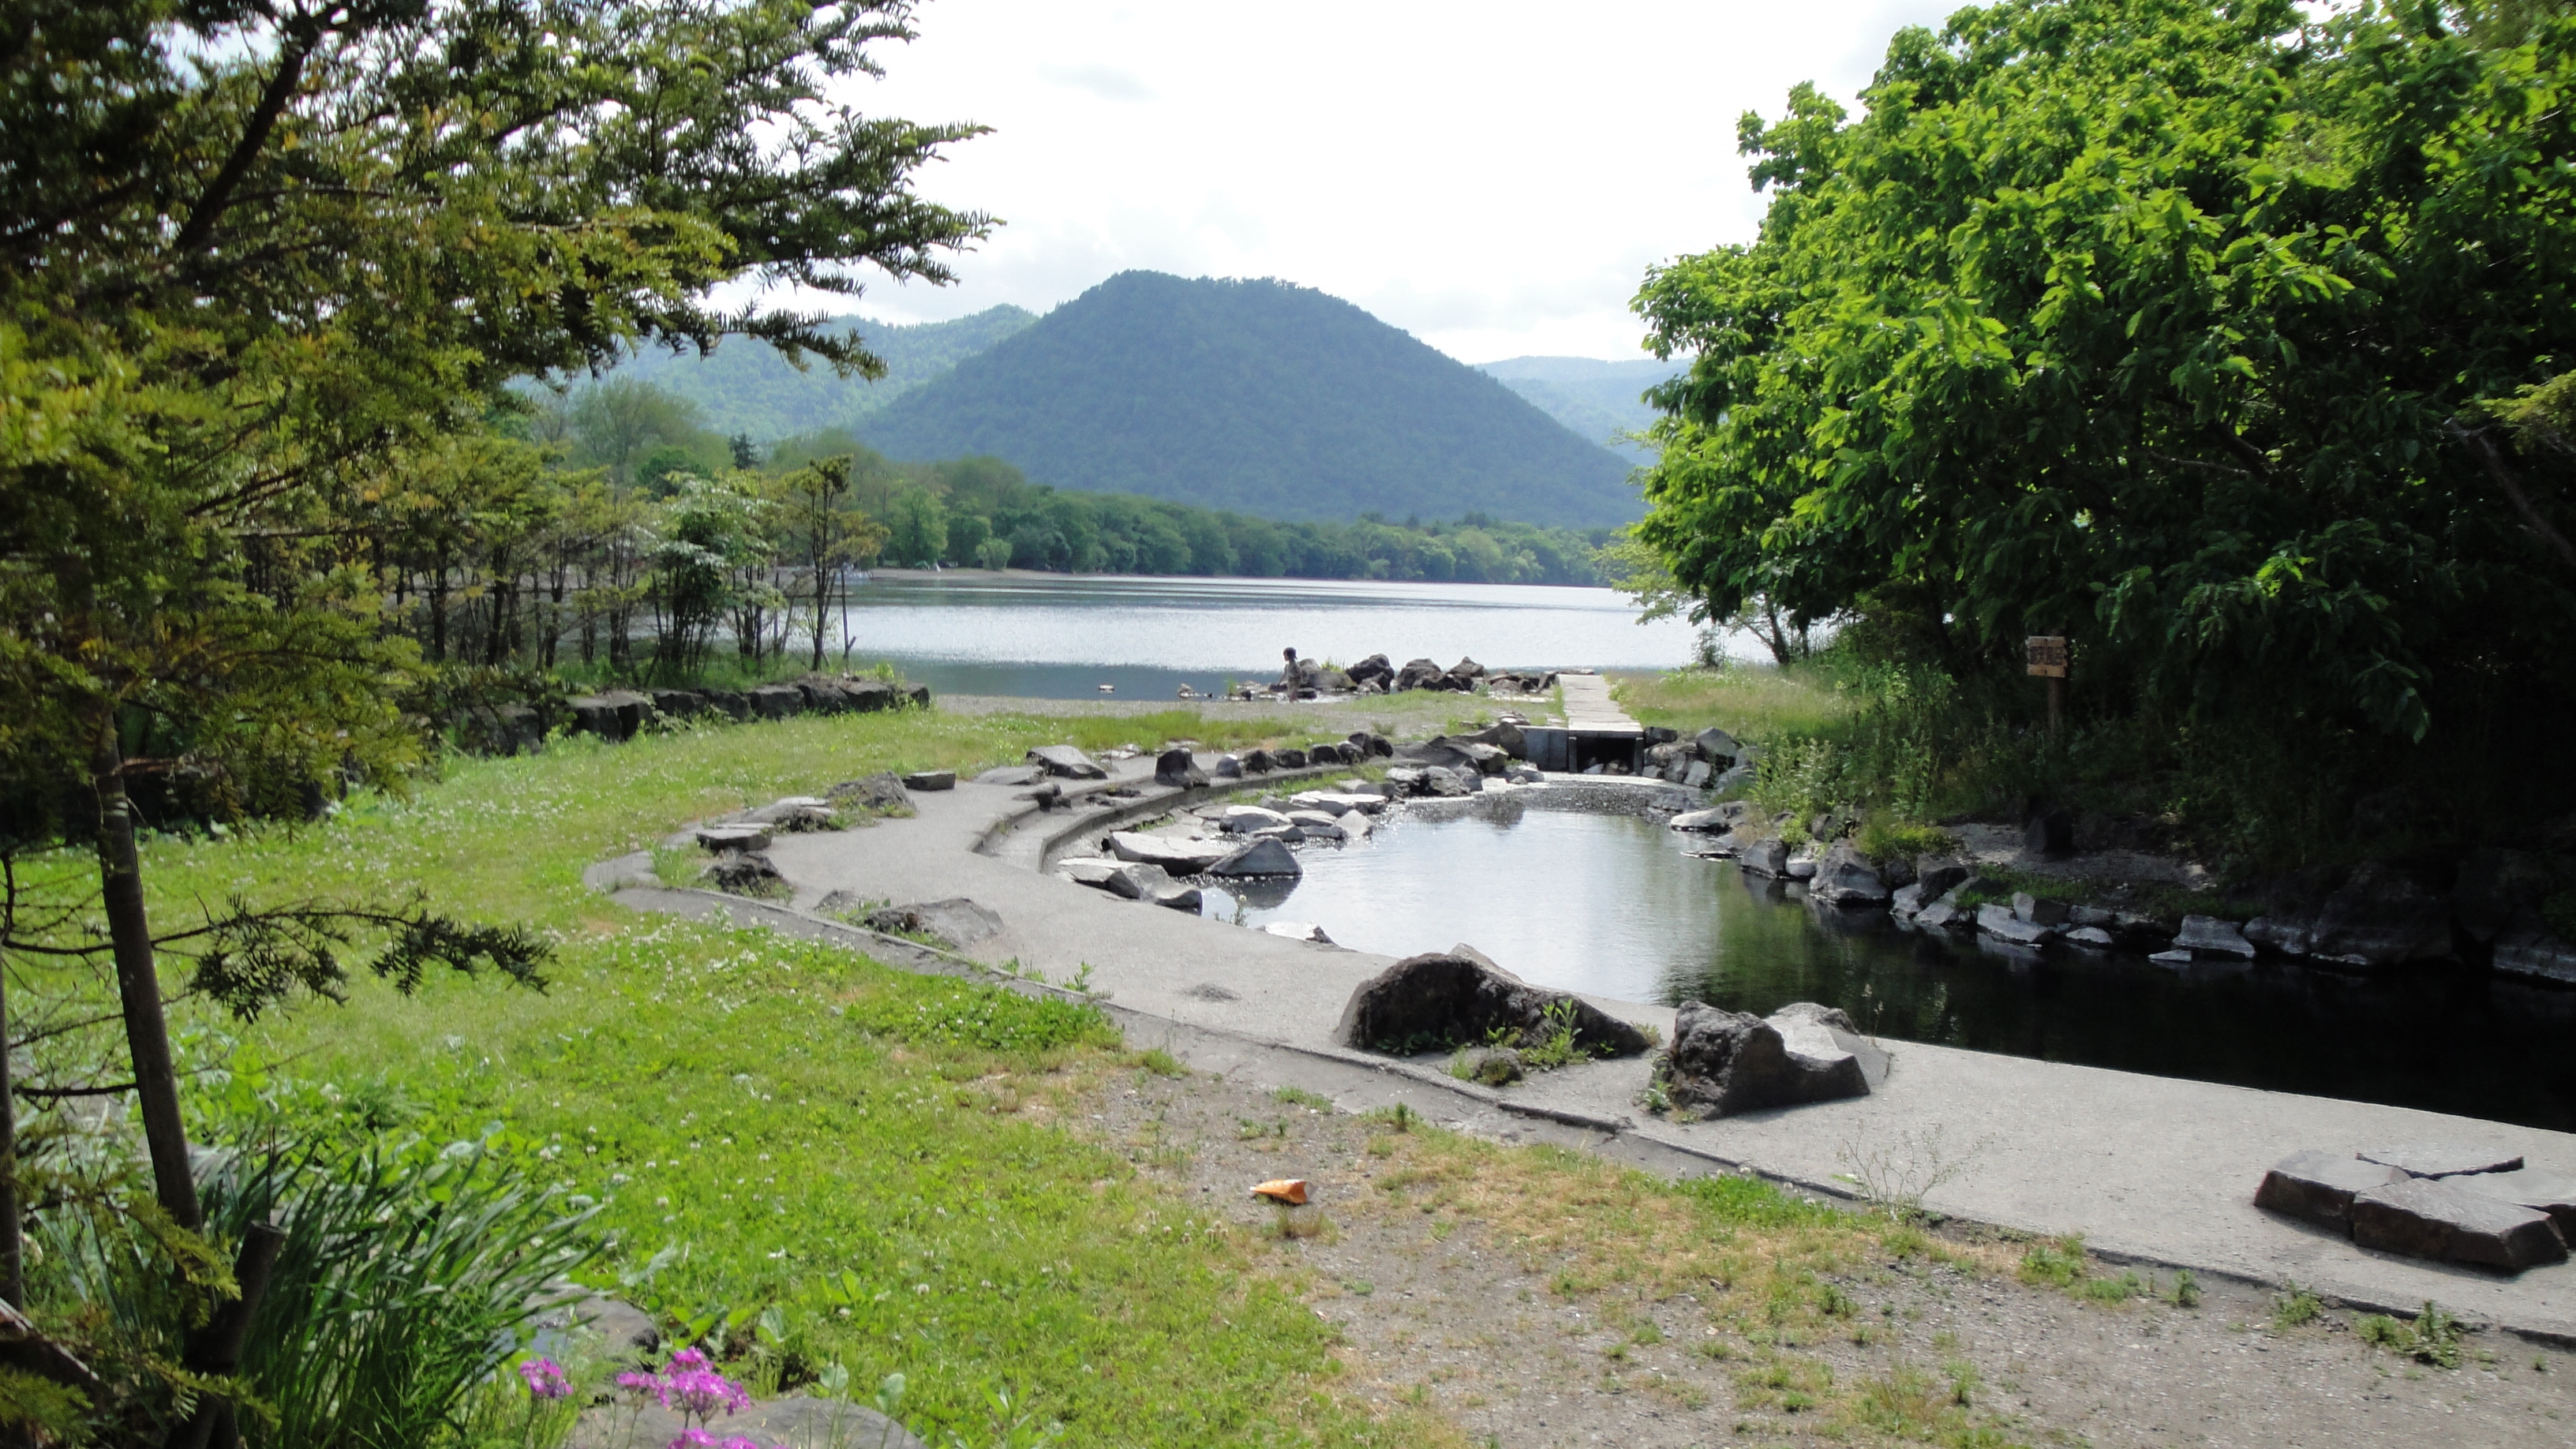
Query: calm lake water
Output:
(1063,636)
(1611,904)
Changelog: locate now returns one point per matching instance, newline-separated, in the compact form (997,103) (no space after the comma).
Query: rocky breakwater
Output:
(621,714)
(1711,759)
(1316,679)
(2455,1202)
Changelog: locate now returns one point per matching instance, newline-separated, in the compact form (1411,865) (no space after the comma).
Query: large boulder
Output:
(1505,736)
(930,781)
(1765,858)
(2380,917)
(1999,922)
(1457,998)
(745,873)
(1716,746)
(614,715)
(1067,762)
(1438,750)
(2318,1187)
(880,793)
(1421,674)
(2528,948)
(681,703)
(1370,744)
(2435,1218)
(1845,878)
(1260,858)
(1723,1062)
(1372,670)
(776,701)
(2208,935)
(2497,886)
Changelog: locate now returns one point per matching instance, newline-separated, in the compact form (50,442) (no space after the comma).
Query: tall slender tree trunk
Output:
(138,984)
(438,608)
(13,1261)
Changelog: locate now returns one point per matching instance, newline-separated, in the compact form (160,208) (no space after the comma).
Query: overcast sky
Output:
(1494,177)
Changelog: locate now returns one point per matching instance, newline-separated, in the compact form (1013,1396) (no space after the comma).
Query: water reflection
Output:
(1612,904)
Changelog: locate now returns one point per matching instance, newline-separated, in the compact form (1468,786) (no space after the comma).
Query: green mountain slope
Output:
(746,387)
(1594,398)
(1258,396)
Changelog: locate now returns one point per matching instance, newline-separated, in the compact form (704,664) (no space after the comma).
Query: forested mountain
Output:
(744,386)
(1600,400)
(1255,396)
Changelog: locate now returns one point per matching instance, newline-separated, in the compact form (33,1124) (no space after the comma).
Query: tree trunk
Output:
(138,985)
(13,1262)
(438,609)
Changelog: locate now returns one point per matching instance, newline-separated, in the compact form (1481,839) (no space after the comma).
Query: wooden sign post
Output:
(2047,655)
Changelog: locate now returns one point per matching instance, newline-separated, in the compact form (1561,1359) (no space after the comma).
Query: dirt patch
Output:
(1538,1296)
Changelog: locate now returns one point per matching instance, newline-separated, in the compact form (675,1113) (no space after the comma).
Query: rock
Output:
(1067,762)
(776,701)
(1704,820)
(1419,674)
(1181,857)
(2431,1218)
(2553,1193)
(614,715)
(1369,744)
(2380,916)
(1249,820)
(1260,858)
(2039,912)
(1011,775)
(732,837)
(795,815)
(1505,736)
(1438,750)
(1088,870)
(1327,754)
(1372,670)
(1907,901)
(1447,782)
(2050,832)
(732,702)
(1844,878)
(2498,886)
(1221,767)
(2318,1187)
(1725,1062)
(955,923)
(681,703)
(1527,775)
(1457,998)
(2171,958)
(1486,759)
(1695,774)
(1999,922)
(744,873)
(1317,825)
(880,792)
(1298,931)
(1731,777)
(1174,767)
(2091,938)
(1800,867)
(1259,762)
(1717,747)
(2210,934)
(1942,915)
(2089,916)
(2528,948)
(1180,897)
(2442,1159)
(1765,858)
(596,1320)
(1494,1066)
(930,781)
(1137,881)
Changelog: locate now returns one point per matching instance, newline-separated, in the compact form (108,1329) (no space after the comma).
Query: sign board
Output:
(2047,654)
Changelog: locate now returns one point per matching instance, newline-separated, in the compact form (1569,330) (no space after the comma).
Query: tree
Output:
(919,527)
(617,418)
(253,254)
(2167,324)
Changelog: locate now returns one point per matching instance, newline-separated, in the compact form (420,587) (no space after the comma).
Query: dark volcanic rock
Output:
(1845,878)
(745,873)
(776,701)
(1261,857)
(1066,761)
(1372,670)
(1765,858)
(2442,1159)
(931,780)
(1259,762)
(1369,744)
(1421,674)
(956,923)
(2381,916)
(2431,1218)
(879,792)
(2050,832)
(2318,1187)
(681,703)
(615,715)
(1724,1062)
(2528,948)
(1175,767)
(1289,759)
(2553,1193)
(1452,999)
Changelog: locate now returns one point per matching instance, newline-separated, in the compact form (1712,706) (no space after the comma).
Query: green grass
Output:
(1755,703)
(891,1162)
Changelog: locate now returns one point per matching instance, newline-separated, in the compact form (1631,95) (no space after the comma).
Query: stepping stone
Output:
(722,838)
(1089,870)
(2426,1217)
(1012,775)
(931,780)
(2171,958)
(1186,857)
(2209,933)
(2092,938)
(2318,1187)
(2442,1159)
(1067,761)
(2541,1191)
(1249,819)
(2000,922)
(1262,857)
(1138,882)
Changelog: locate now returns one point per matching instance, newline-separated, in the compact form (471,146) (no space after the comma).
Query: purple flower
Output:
(546,1379)
(687,1358)
(642,1385)
(694,1439)
(703,1393)
(738,1441)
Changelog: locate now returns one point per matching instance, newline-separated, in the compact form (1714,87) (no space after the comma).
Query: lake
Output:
(1612,904)
(1063,636)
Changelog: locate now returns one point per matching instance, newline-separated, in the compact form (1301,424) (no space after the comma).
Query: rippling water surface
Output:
(1611,904)
(1064,636)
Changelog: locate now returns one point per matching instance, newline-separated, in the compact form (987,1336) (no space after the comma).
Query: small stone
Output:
(1999,922)
(956,923)
(2442,1159)
(1011,776)
(2038,912)
(2431,1218)
(880,792)
(1701,820)
(733,837)
(929,781)
(1066,761)
(2210,934)
(2091,938)
(1137,881)
(2171,958)
(1494,1066)
(2318,1187)
(1179,897)
(1175,768)
(1249,819)
(1298,931)
(1800,867)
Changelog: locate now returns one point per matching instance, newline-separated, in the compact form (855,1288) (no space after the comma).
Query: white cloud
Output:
(1495,178)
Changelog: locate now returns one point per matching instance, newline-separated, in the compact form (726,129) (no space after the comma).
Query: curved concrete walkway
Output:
(2149,1169)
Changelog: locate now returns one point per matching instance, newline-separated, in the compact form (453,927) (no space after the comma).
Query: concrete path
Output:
(1589,708)
(2151,1169)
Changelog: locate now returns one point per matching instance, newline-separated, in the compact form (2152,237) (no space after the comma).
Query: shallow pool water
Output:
(1613,904)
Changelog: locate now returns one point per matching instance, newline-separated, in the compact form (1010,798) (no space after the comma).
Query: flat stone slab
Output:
(2541,1191)
(2442,1159)
(1999,922)
(733,837)
(1188,857)
(2210,934)
(1067,761)
(1012,775)
(931,780)
(2426,1217)
(2318,1187)
(1261,857)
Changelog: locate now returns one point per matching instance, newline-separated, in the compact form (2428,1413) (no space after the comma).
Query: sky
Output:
(1494,178)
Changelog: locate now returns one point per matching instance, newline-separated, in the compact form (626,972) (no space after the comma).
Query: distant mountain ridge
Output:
(746,387)
(1598,399)
(1259,396)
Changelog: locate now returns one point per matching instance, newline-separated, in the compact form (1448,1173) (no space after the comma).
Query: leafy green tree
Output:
(255,254)
(918,527)
(2174,326)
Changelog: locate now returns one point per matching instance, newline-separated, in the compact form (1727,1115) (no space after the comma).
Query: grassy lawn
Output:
(1755,703)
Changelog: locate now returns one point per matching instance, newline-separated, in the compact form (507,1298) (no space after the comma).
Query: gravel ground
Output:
(1441,1306)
